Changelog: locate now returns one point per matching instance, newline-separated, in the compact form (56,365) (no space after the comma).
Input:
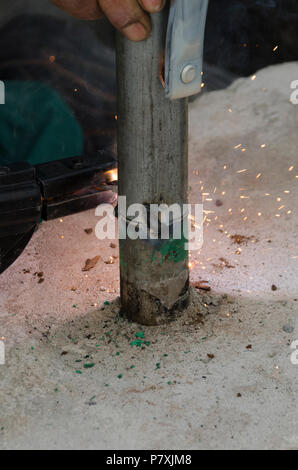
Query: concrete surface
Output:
(220,376)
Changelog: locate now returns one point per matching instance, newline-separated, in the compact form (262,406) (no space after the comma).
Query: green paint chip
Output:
(120,376)
(79,372)
(140,343)
(140,334)
(89,366)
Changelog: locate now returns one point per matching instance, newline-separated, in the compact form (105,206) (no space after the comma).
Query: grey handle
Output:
(184,48)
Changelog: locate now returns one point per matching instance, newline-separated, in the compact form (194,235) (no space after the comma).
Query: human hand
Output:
(130,17)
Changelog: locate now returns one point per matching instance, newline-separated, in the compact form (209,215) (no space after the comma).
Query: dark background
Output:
(240,38)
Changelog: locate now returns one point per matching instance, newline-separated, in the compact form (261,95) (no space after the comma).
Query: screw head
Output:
(188,74)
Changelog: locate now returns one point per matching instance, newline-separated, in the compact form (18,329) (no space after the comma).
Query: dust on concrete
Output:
(73,379)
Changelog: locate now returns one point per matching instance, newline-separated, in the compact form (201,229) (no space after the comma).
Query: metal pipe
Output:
(153,169)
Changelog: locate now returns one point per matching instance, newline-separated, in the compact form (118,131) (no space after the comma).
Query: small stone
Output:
(273,287)
(288,328)
(102,289)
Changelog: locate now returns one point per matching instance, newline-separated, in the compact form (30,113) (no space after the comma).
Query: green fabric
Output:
(36,125)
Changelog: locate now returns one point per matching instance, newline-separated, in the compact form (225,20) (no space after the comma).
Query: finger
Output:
(128,17)
(83,9)
(152,6)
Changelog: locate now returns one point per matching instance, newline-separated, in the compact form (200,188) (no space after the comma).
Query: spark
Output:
(291,168)
(275,48)
(242,171)
(237,146)
(253,77)
(258,176)
(112,175)
(263,146)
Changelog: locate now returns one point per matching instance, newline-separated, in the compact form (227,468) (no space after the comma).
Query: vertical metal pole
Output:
(153,169)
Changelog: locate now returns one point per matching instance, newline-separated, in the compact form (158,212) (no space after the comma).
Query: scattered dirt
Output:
(201,285)
(91,263)
(224,264)
(241,239)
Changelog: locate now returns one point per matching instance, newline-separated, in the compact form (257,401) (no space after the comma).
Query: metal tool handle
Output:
(184,48)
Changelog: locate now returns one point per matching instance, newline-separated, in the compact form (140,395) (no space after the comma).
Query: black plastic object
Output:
(20,208)
(75,184)
(29,194)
